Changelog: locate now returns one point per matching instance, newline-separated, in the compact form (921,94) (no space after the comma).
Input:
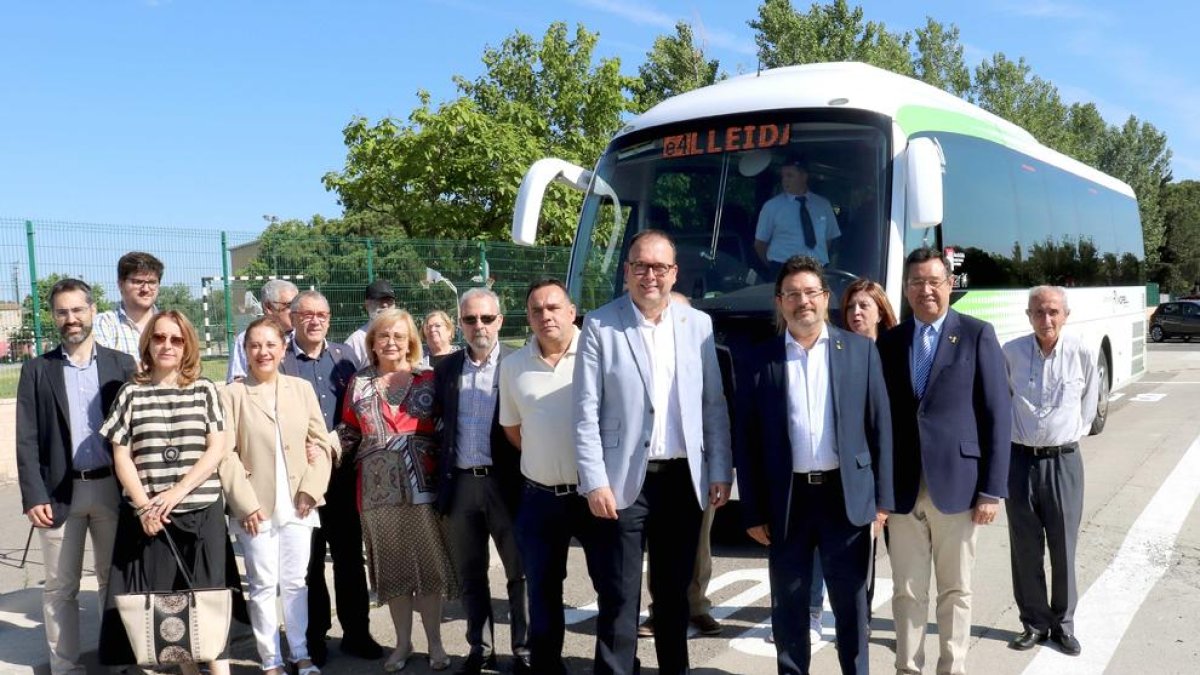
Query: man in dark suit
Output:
(951,427)
(65,467)
(814,465)
(328,367)
(481,478)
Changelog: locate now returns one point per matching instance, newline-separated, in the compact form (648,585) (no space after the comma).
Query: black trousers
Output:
(1044,508)
(477,512)
(667,514)
(546,524)
(341,531)
(818,521)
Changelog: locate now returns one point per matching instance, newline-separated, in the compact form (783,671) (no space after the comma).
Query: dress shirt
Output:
(666,431)
(779,225)
(919,326)
(537,397)
(89,450)
(357,342)
(1054,397)
(115,330)
(319,373)
(811,427)
(478,395)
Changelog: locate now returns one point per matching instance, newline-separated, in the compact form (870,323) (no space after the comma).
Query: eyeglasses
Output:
(143,283)
(278,307)
(384,338)
(486,319)
(68,312)
(314,317)
(918,284)
(641,269)
(160,339)
(808,293)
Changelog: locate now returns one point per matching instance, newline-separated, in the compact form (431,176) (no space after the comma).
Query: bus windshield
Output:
(738,197)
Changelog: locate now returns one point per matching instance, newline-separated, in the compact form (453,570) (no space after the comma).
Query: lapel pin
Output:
(838,344)
(953,339)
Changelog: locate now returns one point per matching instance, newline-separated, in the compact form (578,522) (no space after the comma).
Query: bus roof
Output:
(911,104)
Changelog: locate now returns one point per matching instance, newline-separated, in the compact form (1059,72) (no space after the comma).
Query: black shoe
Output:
(646,629)
(1066,642)
(1027,640)
(364,647)
(318,651)
(522,664)
(475,663)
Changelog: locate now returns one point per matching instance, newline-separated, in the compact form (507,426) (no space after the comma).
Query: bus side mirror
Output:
(924,165)
(533,189)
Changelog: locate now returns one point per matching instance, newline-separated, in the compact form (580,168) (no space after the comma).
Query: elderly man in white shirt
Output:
(1055,383)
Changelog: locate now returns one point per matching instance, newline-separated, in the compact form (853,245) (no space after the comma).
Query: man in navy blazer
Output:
(652,440)
(951,426)
(814,461)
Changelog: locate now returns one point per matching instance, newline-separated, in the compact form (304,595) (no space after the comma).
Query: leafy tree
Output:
(1138,154)
(25,334)
(179,297)
(674,64)
(453,171)
(1181,237)
(830,32)
(938,58)
(1011,90)
(1087,133)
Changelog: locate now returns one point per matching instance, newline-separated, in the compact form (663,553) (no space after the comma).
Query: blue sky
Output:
(212,114)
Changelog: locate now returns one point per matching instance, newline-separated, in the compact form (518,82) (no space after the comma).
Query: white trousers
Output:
(278,557)
(93,509)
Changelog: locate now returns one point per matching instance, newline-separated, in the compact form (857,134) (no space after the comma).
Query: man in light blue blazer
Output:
(652,437)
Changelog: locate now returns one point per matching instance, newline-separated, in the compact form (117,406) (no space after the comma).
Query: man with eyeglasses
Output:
(951,429)
(481,482)
(379,296)
(64,465)
(814,460)
(138,277)
(277,296)
(328,367)
(652,442)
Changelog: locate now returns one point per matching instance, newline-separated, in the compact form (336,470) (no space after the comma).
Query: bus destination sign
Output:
(729,139)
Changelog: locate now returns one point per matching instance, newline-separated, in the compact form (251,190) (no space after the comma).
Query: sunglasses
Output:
(159,339)
(485,319)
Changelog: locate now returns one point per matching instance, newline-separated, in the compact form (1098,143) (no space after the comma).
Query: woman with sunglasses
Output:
(388,411)
(166,431)
(274,477)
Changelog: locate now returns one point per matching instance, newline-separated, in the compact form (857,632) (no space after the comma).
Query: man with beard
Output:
(138,277)
(480,478)
(65,466)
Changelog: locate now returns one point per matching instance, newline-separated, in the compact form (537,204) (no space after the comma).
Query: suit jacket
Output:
(248,470)
(506,458)
(43,422)
(862,434)
(345,364)
(957,436)
(613,411)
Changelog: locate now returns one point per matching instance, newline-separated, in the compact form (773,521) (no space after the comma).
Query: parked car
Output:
(1176,319)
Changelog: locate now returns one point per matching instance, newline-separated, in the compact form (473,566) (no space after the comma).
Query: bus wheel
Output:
(1156,334)
(1105,390)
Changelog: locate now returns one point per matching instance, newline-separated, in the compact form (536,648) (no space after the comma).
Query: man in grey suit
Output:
(652,437)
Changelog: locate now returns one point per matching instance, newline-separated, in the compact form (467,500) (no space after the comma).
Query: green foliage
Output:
(1011,90)
(1179,272)
(453,171)
(1137,153)
(938,59)
(674,65)
(25,334)
(831,32)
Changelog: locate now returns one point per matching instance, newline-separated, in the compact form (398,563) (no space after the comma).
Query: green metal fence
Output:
(215,276)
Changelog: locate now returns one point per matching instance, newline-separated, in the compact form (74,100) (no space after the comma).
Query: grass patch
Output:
(10,374)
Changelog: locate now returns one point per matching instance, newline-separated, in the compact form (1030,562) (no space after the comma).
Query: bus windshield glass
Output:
(739,197)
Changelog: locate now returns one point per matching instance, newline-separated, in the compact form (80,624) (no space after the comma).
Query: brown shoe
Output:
(646,630)
(706,624)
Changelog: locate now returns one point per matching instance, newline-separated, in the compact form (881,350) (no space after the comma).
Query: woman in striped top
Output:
(166,431)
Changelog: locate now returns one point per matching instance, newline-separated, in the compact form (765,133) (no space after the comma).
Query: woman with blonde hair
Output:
(388,411)
(274,477)
(166,431)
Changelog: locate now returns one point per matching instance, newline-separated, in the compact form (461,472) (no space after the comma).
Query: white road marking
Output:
(1148,398)
(1106,610)
(753,641)
(1171,382)
(18,620)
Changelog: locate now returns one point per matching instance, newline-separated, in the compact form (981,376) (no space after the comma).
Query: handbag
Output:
(173,627)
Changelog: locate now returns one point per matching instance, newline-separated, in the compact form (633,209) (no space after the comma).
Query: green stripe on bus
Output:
(917,118)
(1003,309)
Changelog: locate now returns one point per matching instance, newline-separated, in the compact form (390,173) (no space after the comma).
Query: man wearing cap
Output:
(277,296)
(379,296)
(796,221)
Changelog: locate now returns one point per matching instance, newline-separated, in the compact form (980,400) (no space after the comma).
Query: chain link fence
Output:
(215,277)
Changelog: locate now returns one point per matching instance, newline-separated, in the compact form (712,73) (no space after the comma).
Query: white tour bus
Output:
(902,165)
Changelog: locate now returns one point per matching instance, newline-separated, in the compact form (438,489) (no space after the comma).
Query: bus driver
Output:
(796,221)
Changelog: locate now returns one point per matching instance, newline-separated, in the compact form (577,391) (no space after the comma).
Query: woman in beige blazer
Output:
(273,483)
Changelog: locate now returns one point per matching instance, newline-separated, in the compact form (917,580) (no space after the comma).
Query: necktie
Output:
(810,234)
(924,361)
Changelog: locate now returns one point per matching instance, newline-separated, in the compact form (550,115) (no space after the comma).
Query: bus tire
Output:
(1102,400)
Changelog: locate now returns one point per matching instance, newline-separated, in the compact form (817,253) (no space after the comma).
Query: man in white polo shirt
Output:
(535,411)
